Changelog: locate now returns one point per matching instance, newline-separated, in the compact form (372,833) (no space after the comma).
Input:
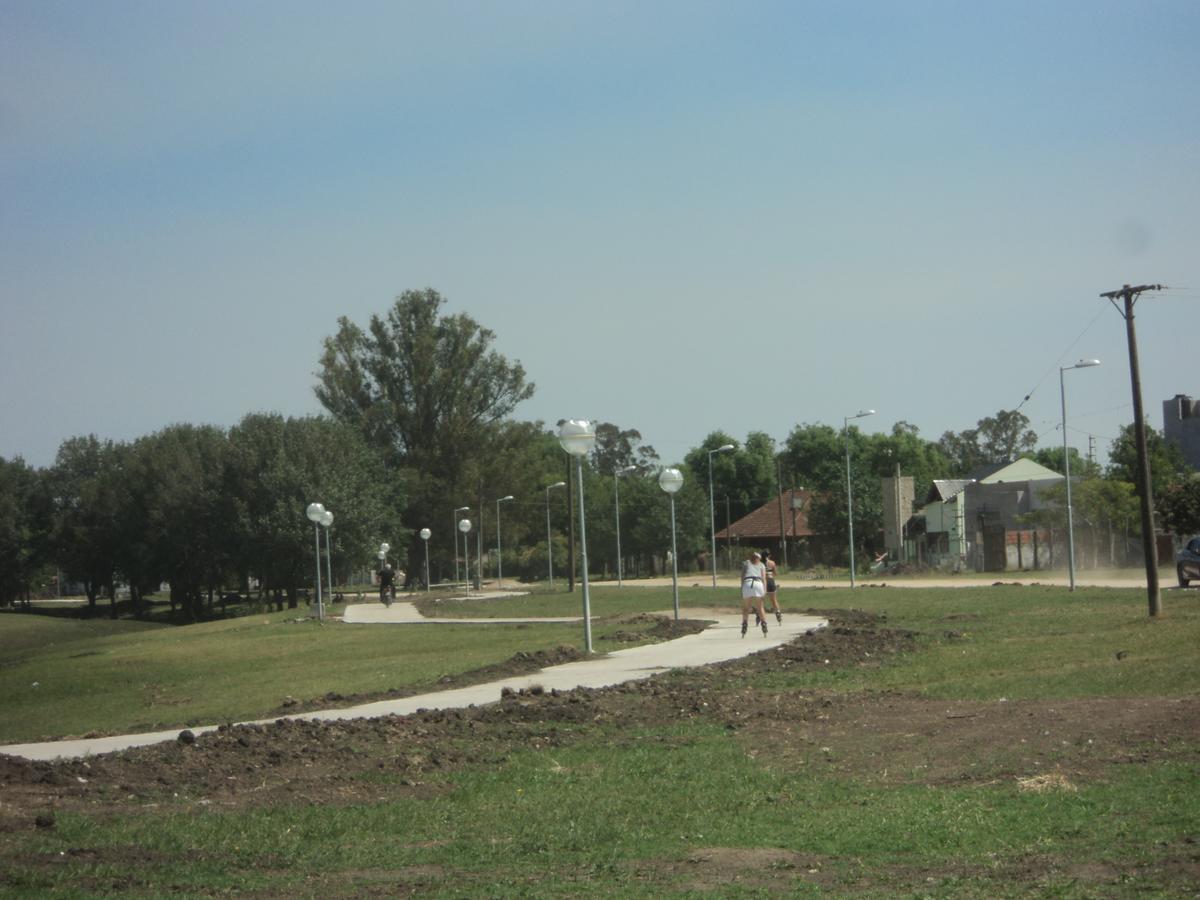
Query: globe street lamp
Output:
(712,516)
(454,525)
(499,558)
(464,525)
(327,520)
(549,545)
(1082,364)
(849,491)
(577,436)
(425,535)
(617,503)
(316,512)
(671,480)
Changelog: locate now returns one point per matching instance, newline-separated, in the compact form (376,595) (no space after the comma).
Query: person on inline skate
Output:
(387,584)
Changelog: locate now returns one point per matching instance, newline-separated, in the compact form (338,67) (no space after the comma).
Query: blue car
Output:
(1187,562)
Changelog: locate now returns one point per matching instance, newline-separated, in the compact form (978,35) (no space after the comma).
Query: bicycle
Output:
(387,593)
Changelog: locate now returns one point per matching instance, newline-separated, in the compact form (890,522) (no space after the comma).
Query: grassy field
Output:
(63,676)
(678,805)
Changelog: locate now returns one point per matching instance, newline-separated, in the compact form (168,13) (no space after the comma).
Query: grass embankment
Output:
(64,676)
(688,806)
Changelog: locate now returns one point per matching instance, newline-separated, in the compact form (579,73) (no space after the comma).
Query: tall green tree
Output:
(177,476)
(1179,506)
(617,448)
(24,529)
(995,439)
(1167,465)
(1052,458)
(86,484)
(428,389)
(276,467)
(813,457)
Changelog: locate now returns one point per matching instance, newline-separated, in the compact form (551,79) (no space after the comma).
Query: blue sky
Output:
(679,217)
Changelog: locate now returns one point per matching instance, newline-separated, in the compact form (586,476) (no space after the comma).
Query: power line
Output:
(1058,361)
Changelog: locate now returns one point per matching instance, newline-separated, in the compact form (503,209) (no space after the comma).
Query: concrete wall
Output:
(898,495)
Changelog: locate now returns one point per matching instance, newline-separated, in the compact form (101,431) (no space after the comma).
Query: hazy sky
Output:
(678,216)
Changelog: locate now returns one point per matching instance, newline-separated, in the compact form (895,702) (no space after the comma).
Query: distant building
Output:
(898,496)
(977,522)
(783,518)
(1181,427)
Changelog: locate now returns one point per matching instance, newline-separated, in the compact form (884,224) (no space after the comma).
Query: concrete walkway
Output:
(722,640)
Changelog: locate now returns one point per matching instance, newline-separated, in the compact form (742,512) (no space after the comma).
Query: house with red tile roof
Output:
(784,517)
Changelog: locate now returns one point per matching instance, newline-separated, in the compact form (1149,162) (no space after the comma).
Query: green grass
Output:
(1032,642)
(576,821)
(68,677)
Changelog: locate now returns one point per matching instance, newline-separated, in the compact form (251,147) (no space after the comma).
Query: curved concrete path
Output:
(720,641)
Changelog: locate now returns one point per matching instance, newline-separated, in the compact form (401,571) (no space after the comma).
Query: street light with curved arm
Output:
(1082,364)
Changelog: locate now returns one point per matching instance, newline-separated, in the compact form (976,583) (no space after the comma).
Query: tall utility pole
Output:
(1129,296)
(570,532)
(782,528)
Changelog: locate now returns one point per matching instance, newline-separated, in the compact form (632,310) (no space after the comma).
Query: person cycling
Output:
(387,584)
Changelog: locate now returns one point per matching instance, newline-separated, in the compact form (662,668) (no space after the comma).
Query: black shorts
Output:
(770,585)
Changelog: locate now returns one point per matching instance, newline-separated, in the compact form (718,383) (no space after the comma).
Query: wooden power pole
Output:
(1129,296)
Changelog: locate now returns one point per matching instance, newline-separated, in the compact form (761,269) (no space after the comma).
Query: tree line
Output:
(419,422)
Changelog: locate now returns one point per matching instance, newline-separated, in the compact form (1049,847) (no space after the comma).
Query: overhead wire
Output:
(1061,356)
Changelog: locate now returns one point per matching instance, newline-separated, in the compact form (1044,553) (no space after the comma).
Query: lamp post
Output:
(549,544)
(453,531)
(327,520)
(712,516)
(425,535)
(316,512)
(849,490)
(671,480)
(1062,388)
(617,504)
(499,558)
(577,436)
(464,525)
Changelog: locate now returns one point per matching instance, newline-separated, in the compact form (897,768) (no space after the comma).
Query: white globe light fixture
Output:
(426,534)
(315,513)
(464,525)
(577,437)
(671,480)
